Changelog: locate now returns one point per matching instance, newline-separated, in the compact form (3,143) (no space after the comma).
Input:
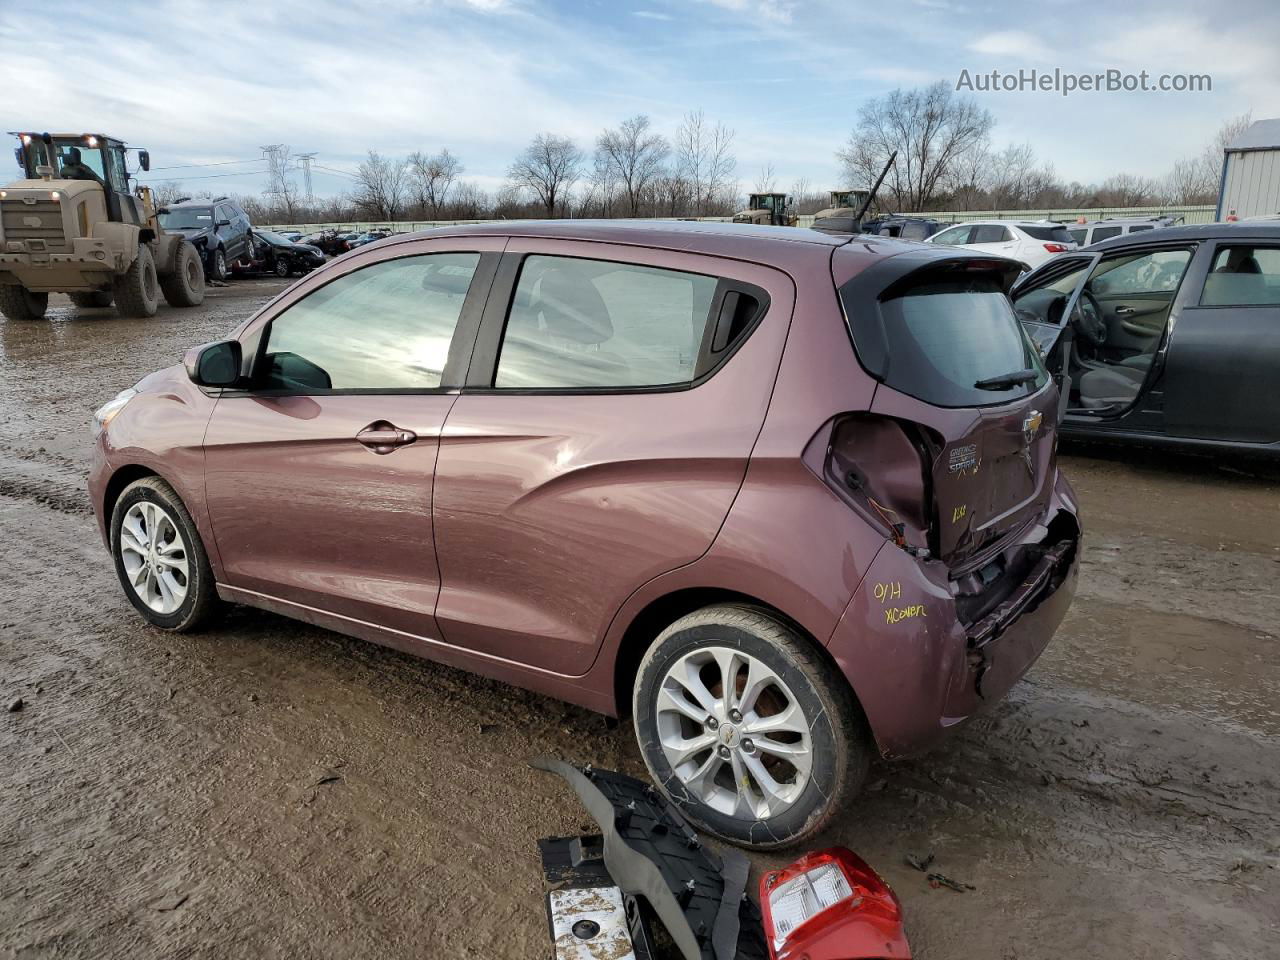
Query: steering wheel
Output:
(1088,319)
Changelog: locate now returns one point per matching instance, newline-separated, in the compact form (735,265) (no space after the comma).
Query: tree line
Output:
(946,161)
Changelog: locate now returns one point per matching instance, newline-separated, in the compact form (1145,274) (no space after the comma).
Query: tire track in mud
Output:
(46,480)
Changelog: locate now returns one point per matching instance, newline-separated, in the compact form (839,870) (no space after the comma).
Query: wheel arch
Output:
(665,610)
(116,484)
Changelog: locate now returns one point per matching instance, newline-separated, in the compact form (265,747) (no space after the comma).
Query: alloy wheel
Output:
(733,732)
(155,557)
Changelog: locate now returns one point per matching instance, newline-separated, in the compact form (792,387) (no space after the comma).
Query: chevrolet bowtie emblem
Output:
(1031,425)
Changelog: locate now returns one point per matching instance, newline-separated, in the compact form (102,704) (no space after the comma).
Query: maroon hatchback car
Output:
(788,499)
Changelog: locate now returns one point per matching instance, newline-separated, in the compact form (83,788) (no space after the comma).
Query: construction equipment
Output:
(71,225)
(771,209)
(844,203)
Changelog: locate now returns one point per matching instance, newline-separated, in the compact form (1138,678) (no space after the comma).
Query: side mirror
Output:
(144,160)
(223,223)
(214,364)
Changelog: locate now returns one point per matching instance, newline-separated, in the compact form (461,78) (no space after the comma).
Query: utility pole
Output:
(277,157)
(305,159)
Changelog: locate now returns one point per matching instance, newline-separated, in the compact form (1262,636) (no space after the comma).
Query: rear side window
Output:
(1053,234)
(1079,236)
(387,326)
(1105,233)
(943,337)
(915,230)
(1243,277)
(577,323)
(989,233)
(954,235)
(1141,227)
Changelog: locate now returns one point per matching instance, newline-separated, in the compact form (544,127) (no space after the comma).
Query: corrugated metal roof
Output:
(1259,135)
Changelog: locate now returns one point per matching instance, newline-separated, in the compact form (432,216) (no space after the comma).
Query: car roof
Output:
(1117,221)
(778,246)
(1195,231)
(1007,223)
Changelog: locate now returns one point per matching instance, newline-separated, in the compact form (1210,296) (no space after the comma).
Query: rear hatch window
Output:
(949,342)
(1054,234)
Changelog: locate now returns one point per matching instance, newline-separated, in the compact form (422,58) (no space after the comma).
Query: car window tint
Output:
(592,323)
(1243,276)
(386,326)
(1105,233)
(1079,236)
(915,230)
(1141,227)
(1054,233)
(989,233)
(1157,272)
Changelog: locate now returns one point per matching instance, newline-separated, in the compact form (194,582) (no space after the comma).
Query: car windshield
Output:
(187,218)
(1055,233)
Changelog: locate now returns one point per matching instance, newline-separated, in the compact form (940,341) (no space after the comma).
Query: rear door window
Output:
(385,327)
(990,233)
(1243,276)
(954,236)
(1105,233)
(577,323)
(945,339)
(1079,236)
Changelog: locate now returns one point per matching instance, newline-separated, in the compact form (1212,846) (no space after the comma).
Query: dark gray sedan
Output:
(1170,337)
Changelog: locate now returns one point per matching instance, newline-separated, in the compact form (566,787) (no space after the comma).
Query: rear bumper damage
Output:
(924,653)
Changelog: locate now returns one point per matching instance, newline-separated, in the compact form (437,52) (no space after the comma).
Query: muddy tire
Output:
(218,268)
(282,268)
(137,292)
(19,303)
(160,559)
(184,287)
(94,300)
(767,766)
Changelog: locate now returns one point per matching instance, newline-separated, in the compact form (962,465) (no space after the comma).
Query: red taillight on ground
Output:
(830,905)
(1055,247)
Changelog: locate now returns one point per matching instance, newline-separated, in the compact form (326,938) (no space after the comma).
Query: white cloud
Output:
(651,15)
(1012,44)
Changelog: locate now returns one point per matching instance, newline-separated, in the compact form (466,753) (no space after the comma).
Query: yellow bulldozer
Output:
(71,225)
(772,209)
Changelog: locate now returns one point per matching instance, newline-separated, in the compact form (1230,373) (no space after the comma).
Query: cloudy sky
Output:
(210,83)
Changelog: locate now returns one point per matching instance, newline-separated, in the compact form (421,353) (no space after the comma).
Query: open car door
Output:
(1043,300)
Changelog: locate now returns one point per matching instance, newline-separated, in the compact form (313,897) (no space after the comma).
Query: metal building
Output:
(1250,185)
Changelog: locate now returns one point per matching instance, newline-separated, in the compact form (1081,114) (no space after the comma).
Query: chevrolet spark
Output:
(789,499)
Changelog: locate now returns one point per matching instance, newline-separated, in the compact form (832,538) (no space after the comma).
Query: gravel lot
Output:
(268,789)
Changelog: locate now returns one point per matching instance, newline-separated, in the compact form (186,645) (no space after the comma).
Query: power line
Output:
(215,176)
(220,163)
(343,173)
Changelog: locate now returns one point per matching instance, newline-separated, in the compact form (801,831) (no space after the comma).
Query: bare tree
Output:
(704,158)
(1195,179)
(767,180)
(167,191)
(635,154)
(431,178)
(380,186)
(931,128)
(548,168)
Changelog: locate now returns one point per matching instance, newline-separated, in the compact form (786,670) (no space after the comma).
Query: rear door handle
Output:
(383,437)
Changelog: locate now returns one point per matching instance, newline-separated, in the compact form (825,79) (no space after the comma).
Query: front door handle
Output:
(384,437)
(1124,311)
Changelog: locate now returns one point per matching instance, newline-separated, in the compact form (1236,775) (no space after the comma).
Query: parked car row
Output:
(222,234)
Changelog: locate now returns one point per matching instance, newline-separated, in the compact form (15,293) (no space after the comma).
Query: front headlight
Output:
(106,413)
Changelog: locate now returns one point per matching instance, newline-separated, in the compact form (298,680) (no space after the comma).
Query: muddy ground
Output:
(272,790)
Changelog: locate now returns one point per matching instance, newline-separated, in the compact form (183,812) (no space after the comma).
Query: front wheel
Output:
(184,287)
(283,268)
(159,557)
(218,265)
(137,291)
(746,728)
(19,303)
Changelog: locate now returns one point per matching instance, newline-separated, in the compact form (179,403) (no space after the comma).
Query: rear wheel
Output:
(159,557)
(218,265)
(185,286)
(93,300)
(744,726)
(19,303)
(137,292)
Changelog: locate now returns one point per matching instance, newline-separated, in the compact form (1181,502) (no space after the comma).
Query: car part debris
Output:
(830,905)
(661,866)
(920,863)
(937,880)
(589,923)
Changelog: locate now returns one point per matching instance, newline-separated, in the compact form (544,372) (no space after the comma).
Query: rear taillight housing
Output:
(1056,247)
(830,905)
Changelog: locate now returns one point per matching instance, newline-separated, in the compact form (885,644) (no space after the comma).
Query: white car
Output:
(1031,241)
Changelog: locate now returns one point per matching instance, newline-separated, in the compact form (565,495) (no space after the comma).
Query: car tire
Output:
(160,559)
(137,292)
(218,265)
(19,303)
(93,300)
(283,268)
(184,287)
(810,751)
